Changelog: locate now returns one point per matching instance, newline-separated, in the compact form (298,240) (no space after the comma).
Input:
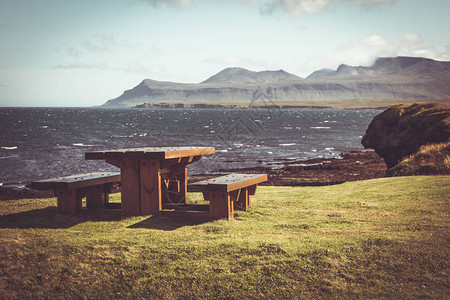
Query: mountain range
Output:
(394,78)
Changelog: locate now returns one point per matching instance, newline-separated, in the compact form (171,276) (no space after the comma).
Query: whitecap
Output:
(321,127)
(9,148)
(287,145)
(224,150)
(82,145)
(288,128)
(329,149)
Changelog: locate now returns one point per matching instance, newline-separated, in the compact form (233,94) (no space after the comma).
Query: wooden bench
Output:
(70,190)
(224,193)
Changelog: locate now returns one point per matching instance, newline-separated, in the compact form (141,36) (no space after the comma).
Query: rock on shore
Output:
(401,130)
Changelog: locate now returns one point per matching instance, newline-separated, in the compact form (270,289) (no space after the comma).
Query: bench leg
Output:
(220,205)
(96,197)
(69,201)
(243,200)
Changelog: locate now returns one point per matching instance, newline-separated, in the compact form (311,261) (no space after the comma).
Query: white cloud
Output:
(372,2)
(229,61)
(294,7)
(364,52)
(177,3)
(367,50)
(101,43)
(81,65)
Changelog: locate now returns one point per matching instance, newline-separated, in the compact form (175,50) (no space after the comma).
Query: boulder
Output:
(401,130)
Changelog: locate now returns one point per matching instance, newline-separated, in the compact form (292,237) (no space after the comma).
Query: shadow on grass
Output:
(48,218)
(166,223)
(38,218)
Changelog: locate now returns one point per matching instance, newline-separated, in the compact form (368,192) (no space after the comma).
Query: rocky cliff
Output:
(388,78)
(401,130)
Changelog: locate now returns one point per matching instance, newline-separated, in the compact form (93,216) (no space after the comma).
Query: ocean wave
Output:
(321,127)
(82,145)
(287,145)
(9,148)
(11,156)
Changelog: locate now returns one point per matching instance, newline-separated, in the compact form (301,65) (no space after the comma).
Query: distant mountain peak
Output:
(241,75)
(383,66)
(387,78)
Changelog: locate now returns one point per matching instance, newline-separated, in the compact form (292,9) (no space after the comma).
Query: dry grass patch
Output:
(429,160)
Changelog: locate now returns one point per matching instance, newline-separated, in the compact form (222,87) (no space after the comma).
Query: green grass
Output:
(383,238)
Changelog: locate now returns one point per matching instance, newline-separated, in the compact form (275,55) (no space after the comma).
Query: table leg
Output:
(177,188)
(130,178)
(150,187)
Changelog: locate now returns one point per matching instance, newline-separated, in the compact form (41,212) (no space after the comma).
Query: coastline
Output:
(351,166)
(352,104)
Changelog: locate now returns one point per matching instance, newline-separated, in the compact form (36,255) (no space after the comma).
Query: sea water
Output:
(37,143)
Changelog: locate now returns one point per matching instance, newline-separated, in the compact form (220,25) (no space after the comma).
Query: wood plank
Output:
(235,181)
(158,153)
(150,182)
(189,151)
(130,188)
(76,181)
(230,182)
(114,162)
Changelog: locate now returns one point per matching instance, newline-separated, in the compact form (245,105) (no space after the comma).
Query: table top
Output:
(159,153)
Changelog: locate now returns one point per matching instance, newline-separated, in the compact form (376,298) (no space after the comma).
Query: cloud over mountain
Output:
(295,8)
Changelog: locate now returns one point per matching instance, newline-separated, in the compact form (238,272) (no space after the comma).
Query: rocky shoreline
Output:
(351,166)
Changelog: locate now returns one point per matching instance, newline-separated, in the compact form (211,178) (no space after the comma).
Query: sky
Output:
(84,52)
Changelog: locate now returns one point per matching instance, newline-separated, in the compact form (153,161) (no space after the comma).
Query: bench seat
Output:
(227,192)
(70,190)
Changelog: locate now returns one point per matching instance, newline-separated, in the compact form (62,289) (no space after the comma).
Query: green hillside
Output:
(382,238)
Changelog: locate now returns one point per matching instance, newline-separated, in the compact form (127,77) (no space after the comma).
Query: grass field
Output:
(382,238)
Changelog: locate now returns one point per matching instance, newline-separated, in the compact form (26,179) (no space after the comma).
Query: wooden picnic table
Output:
(151,176)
